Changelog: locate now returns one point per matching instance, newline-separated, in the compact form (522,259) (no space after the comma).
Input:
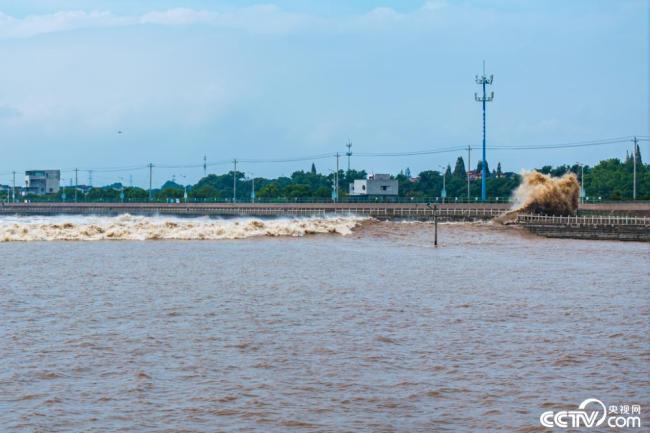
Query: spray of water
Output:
(543,194)
(130,227)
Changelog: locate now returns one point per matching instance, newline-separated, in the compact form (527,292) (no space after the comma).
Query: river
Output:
(344,325)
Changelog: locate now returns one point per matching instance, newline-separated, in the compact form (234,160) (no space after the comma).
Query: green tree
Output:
(459,169)
(204,192)
(297,191)
(170,193)
(270,190)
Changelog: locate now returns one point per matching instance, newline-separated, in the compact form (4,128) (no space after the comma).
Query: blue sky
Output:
(293,78)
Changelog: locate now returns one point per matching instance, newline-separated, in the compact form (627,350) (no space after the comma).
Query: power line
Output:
(412,153)
(566,145)
(304,158)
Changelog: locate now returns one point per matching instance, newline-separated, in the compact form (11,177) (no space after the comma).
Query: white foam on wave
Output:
(131,227)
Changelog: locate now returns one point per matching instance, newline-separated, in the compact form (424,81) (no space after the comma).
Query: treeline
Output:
(610,179)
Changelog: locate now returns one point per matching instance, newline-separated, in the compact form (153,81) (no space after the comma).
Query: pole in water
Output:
(435,225)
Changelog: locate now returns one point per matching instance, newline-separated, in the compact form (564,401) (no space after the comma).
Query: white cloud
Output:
(254,19)
(178,16)
(11,27)
(261,19)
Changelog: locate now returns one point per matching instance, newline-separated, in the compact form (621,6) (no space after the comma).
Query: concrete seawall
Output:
(622,228)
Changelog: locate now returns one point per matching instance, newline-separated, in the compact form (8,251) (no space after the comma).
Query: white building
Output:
(42,181)
(376,184)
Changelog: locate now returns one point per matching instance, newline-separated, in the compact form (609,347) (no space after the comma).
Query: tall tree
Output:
(313,168)
(499,172)
(459,169)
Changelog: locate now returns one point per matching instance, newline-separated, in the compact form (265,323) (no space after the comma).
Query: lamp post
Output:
(443,193)
(121,179)
(582,182)
(252,177)
(184,188)
(335,193)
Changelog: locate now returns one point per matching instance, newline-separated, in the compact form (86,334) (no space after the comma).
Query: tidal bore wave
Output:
(130,227)
(543,194)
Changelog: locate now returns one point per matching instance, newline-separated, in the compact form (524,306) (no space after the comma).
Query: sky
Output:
(299,78)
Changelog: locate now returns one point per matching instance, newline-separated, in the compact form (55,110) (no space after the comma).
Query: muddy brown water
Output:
(375,331)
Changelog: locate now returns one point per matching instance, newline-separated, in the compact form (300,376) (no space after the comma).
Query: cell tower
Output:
(483,81)
(349,153)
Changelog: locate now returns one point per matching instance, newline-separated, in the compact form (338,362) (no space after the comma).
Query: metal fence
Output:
(609,220)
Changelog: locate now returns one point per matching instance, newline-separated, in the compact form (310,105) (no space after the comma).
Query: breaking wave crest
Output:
(543,194)
(130,227)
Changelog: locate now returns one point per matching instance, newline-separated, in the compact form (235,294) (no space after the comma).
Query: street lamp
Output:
(121,179)
(252,179)
(443,193)
(184,188)
(582,182)
(335,193)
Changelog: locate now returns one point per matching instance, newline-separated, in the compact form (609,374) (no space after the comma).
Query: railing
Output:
(525,219)
(375,210)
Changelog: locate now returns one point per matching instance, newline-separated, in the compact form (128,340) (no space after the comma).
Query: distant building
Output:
(474,174)
(42,181)
(375,185)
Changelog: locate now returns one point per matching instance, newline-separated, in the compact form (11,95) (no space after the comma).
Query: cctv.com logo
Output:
(593,413)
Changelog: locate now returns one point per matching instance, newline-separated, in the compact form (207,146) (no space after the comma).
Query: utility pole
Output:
(469,167)
(484,80)
(336,178)
(234,181)
(582,182)
(76,183)
(13,193)
(205,165)
(150,180)
(635,140)
(349,153)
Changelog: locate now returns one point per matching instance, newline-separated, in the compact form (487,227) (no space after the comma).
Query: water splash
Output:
(539,193)
(129,227)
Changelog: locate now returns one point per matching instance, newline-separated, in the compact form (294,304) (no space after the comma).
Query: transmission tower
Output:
(483,81)
(349,153)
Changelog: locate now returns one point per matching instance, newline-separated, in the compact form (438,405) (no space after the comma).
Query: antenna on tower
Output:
(483,81)
(349,153)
